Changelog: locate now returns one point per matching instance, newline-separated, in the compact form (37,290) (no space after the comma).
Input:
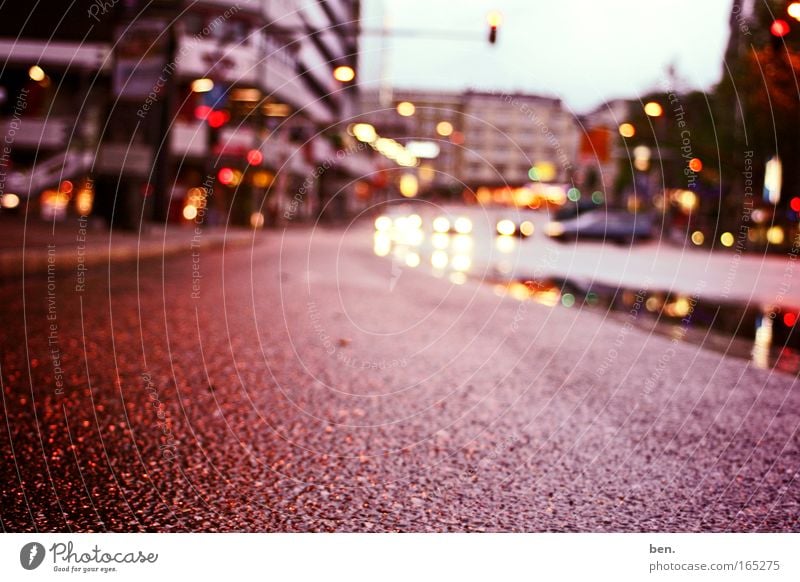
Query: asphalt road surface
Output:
(305,384)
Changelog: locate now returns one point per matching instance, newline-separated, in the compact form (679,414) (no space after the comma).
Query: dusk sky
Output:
(618,48)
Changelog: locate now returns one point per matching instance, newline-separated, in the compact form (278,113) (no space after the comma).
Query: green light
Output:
(533,174)
(591,298)
(574,194)
(597,197)
(567,300)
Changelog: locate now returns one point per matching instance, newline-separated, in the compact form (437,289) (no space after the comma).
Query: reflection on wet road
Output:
(494,247)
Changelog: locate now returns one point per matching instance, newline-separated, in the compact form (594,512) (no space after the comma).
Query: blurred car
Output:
(617,226)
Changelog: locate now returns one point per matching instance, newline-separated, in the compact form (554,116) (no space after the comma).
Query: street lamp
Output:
(653,109)
(36,73)
(444,128)
(202,85)
(627,130)
(344,74)
(406,109)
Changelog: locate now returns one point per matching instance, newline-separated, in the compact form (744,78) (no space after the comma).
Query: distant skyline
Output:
(583,51)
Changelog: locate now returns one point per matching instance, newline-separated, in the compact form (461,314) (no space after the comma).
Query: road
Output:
(305,384)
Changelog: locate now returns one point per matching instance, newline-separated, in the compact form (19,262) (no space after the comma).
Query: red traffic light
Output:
(226,176)
(217,119)
(254,157)
(779,28)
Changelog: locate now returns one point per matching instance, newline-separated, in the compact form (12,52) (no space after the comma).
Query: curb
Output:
(37,259)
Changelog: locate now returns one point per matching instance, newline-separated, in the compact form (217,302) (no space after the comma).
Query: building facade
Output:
(216,106)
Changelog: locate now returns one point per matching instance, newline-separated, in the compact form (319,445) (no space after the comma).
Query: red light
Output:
(225,176)
(795,204)
(254,157)
(695,165)
(66,187)
(218,118)
(790,319)
(779,28)
(202,111)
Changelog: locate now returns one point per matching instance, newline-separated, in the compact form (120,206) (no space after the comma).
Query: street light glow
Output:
(627,130)
(494,18)
(444,128)
(653,109)
(203,85)
(344,74)
(36,73)
(406,108)
(364,132)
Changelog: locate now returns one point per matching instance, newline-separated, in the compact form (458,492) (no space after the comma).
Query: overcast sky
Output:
(584,51)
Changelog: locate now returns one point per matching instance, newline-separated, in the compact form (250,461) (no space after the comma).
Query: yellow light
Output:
(687,199)
(364,132)
(382,244)
(506,244)
(458,278)
(727,239)
(414,221)
(257,220)
(36,73)
(406,159)
(202,85)
(10,201)
(462,243)
(506,227)
(444,128)
(698,238)
(440,240)
(463,225)
(526,228)
(344,74)
(383,223)
(653,109)
(680,308)
(545,171)
(189,212)
(84,200)
(441,224)
(627,130)
(412,260)
(409,186)
(794,10)
(262,179)
(460,263)
(775,235)
(554,229)
(439,259)
(652,304)
(406,109)
(494,18)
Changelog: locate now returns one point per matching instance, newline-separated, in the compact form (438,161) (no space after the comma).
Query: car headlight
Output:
(441,224)
(463,225)
(506,227)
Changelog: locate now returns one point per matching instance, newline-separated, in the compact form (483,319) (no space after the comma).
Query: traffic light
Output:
(778,29)
(495,19)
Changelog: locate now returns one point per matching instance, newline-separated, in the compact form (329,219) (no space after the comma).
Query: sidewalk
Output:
(74,244)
